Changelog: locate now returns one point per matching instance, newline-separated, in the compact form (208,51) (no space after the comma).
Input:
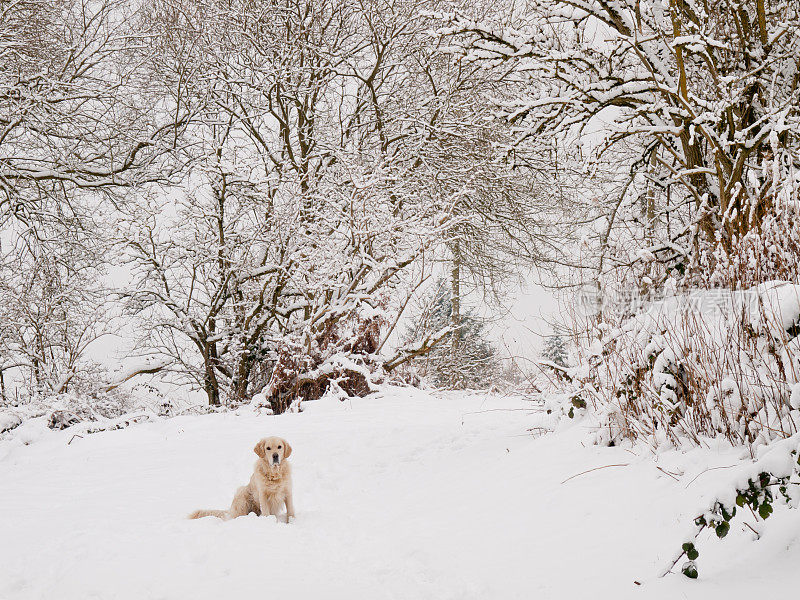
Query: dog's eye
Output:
(279,447)
(268,448)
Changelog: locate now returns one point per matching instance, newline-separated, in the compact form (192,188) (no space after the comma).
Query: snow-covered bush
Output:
(692,366)
(341,359)
(63,410)
(768,253)
(697,364)
(773,479)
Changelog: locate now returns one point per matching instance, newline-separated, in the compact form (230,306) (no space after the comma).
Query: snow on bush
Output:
(340,358)
(705,363)
(9,421)
(695,366)
(772,479)
(86,410)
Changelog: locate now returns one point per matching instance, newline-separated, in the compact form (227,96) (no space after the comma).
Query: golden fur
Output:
(270,486)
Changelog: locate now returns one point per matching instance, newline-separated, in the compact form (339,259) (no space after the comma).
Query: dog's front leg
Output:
(289,507)
(263,502)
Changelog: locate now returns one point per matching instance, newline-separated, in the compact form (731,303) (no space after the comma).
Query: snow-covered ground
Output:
(403,495)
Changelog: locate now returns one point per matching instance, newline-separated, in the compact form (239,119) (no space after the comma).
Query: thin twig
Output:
(758,535)
(709,469)
(672,566)
(486,410)
(667,473)
(595,469)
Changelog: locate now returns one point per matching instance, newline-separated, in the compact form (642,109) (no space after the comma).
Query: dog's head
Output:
(273,450)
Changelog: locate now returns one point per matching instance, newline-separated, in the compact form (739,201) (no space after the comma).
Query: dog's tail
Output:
(222,514)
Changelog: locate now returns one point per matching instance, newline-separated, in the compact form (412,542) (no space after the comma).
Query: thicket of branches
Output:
(685,115)
(275,177)
(686,111)
(77,131)
(278,178)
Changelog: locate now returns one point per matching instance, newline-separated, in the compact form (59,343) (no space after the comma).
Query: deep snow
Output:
(404,495)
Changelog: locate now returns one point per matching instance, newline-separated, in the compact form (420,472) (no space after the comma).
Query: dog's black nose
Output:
(275,456)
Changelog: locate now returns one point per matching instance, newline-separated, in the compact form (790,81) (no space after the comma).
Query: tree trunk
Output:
(649,214)
(455,298)
(242,378)
(211,386)
(210,382)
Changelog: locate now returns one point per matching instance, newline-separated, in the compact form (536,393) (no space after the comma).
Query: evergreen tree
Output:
(471,362)
(555,350)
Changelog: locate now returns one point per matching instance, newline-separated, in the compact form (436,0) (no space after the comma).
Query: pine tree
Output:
(470,362)
(555,350)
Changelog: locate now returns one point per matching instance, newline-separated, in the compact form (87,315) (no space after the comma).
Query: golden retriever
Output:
(270,486)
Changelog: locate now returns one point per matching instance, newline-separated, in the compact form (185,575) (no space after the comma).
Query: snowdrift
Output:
(399,495)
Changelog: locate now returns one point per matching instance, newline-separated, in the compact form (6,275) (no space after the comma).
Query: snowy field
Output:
(399,496)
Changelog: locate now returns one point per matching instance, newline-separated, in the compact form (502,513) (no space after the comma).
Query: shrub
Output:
(705,363)
(341,358)
(772,480)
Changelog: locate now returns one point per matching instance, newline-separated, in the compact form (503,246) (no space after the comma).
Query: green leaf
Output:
(740,500)
(700,521)
(690,550)
(689,569)
(765,510)
(722,529)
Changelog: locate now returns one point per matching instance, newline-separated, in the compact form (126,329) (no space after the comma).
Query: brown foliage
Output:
(299,375)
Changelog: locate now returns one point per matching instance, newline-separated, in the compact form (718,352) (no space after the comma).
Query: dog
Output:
(270,486)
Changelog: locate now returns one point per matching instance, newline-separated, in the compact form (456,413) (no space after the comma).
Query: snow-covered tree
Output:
(555,350)
(74,109)
(698,102)
(55,305)
(474,364)
(78,129)
(308,198)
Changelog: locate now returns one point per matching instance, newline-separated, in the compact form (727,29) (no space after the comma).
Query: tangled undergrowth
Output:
(694,366)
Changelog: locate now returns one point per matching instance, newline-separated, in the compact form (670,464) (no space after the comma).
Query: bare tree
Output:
(301,213)
(78,128)
(74,111)
(53,308)
(701,98)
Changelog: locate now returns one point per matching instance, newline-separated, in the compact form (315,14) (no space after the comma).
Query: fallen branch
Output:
(406,354)
(143,370)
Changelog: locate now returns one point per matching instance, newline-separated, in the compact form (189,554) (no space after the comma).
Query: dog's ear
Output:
(287,449)
(259,449)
